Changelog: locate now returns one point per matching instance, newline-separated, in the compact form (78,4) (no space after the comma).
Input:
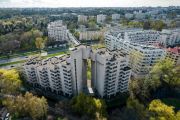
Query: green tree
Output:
(147,25)
(76,34)
(165,71)
(92,24)
(139,108)
(86,105)
(158,25)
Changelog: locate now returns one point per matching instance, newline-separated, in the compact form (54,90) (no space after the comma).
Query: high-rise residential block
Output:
(67,74)
(57,31)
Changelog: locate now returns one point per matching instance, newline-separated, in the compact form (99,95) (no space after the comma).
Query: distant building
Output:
(140,16)
(67,74)
(115,16)
(174,55)
(129,15)
(101,18)
(57,31)
(142,55)
(82,18)
(90,35)
(147,37)
(170,37)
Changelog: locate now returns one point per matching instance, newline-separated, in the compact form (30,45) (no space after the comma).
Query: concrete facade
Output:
(67,74)
(57,31)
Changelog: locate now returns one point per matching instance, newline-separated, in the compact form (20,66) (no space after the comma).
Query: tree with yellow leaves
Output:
(27,105)
(40,43)
(9,81)
(161,111)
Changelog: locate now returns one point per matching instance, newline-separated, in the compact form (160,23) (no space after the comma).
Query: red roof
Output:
(174,50)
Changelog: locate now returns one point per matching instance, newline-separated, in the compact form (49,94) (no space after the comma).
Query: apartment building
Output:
(148,37)
(101,18)
(90,35)
(170,37)
(51,74)
(141,56)
(82,18)
(67,74)
(129,15)
(110,72)
(115,16)
(174,55)
(57,31)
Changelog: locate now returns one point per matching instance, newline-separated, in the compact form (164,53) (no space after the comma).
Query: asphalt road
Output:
(3,61)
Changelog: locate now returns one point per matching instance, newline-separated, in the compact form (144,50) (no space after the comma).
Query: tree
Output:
(76,34)
(40,43)
(92,24)
(173,24)
(138,108)
(166,72)
(158,25)
(146,25)
(160,111)
(9,81)
(27,105)
(86,105)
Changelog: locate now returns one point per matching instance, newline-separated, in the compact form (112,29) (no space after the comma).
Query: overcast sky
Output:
(87,3)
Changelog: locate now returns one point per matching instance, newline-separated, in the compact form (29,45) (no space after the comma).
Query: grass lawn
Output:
(172,102)
(98,46)
(55,54)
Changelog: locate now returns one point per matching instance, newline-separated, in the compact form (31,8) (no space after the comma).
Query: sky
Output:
(88,3)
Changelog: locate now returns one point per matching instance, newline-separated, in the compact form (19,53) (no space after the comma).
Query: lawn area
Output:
(98,46)
(55,54)
(172,102)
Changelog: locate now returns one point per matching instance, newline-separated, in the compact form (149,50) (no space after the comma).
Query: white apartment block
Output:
(90,35)
(141,56)
(67,74)
(115,16)
(101,18)
(82,18)
(129,15)
(147,37)
(57,31)
(110,72)
(170,37)
(140,15)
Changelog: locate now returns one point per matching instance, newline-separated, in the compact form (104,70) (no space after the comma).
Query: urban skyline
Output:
(83,3)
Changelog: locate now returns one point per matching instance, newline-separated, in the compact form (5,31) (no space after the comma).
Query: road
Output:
(3,61)
(73,39)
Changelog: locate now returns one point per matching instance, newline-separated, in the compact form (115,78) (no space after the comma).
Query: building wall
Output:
(137,45)
(57,31)
(101,18)
(68,74)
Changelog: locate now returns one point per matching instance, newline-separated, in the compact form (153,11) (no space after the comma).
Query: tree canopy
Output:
(86,105)
(161,111)
(9,81)
(27,105)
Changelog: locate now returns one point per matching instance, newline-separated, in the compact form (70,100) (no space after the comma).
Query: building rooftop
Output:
(175,50)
